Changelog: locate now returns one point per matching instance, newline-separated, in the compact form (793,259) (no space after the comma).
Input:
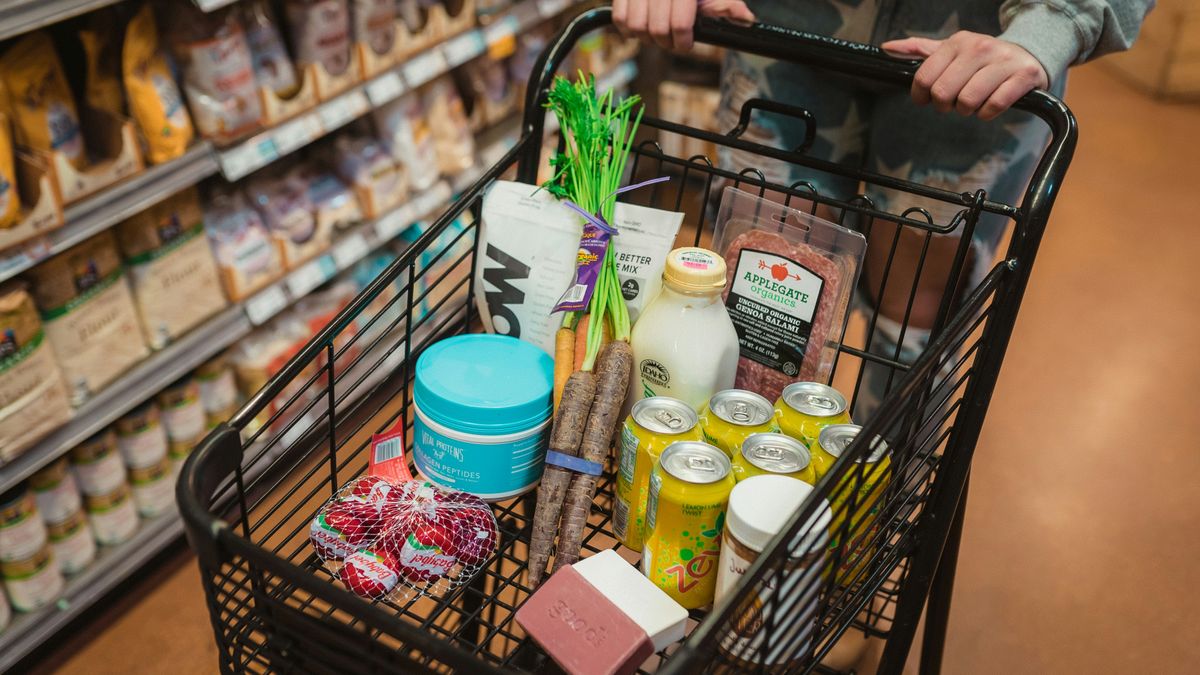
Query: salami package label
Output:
(772,302)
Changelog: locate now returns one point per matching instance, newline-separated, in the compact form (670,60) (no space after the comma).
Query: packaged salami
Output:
(404,128)
(241,243)
(33,395)
(154,99)
(43,109)
(791,275)
(320,32)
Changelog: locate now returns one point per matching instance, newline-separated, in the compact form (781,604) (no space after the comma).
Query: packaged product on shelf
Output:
(97,464)
(34,582)
(10,197)
(89,314)
(73,543)
(774,454)
(684,344)
(218,390)
(759,508)
(317,309)
(241,243)
(405,130)
(652,425)
(40,100)
(153,488)
(56,492)
(689,491)
(113,516)
(283,200)
(414,14)
(320,31)
(33,394)
(183,417)
(171,268)
(375,24)
(451,130)
(218,72)
(154,99)
(5,609)
(334,203)
(365,164)
(529,243)
(530,45)
(733,415)
(805,408)
(261,354)
(494,95)
(141,436)
(273,68)
(791,275)
(102,61)
(22,532)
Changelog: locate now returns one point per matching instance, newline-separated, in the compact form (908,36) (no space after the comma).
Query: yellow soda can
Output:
(804,409)
(856,501)
(773,454)
(732,415)
(652,425)
(689,491)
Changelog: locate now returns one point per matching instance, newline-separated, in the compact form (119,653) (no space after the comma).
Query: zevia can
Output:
(33,582)
(56,492)
(777,454)
(805,408)
(97,464)
(73,543)
(653,424)
(689,490)
(760,507)
(22,533)
(851,545)
(734,414)
(141,436)
(153,489)
(114,517)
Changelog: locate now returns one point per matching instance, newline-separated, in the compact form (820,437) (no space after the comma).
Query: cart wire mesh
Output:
(250,490)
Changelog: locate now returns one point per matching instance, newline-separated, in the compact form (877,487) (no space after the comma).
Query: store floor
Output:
(1080,542)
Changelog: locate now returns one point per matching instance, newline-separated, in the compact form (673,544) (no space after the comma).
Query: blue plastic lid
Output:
(484,384)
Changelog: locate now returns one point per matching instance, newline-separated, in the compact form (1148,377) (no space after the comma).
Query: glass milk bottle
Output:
(684,344)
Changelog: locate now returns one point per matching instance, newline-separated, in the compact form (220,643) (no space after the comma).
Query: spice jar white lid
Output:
(761,506)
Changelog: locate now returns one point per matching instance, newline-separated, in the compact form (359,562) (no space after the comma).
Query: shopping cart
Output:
(250,489)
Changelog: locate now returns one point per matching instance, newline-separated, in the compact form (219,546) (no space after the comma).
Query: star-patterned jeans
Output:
(882,130)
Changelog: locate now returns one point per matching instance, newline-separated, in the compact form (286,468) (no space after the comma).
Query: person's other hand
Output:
(668,23)
(971,73)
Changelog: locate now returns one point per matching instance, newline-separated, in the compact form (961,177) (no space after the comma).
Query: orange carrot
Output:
(564,361)
(581,331)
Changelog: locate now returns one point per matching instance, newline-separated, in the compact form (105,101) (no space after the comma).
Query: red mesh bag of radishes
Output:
(395,539)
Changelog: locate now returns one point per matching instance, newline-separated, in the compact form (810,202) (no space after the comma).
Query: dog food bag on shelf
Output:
(273,67)
(218,71)
(320,31)
(33,396)
(241,244)
(404,129)
(171,268)
(154,99)
(10,198)
(43,110)
(89,314)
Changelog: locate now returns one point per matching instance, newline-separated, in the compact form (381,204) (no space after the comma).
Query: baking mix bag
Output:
(171,268)
(39,98)
(154,99)
(102,61)
(33,396)
(242,245)
(89,314)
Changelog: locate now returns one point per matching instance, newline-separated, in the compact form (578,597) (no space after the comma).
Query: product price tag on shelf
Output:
(313,274)
(343,110)
(297,133)
(424,67)
(385,88)
(464,48)
(350,250)
(392,224)
(502,37)
(266,304)
(244,159)
(549,8)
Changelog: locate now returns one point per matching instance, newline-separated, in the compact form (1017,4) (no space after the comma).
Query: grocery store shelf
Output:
(22,16)
(94,214)
(112,566)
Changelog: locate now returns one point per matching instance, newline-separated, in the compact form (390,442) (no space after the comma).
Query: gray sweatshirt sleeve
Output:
(1061,33)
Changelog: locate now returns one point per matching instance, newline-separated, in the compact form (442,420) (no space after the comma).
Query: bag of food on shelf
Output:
(404,129)
(451,130)
(375,24)
(320,32)
(273,66)
(262,354)
(414,14)
(89,314)
(529,243)
(33,396)
(102,59)
(10,197)
(283,201)
(218,70)
(365,164)
(154,99)
(241,243)
(171,268)
(493,94)
(790,278)
(335,204)
(43,109)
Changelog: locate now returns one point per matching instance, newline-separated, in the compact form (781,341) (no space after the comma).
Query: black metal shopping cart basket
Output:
(251,488)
